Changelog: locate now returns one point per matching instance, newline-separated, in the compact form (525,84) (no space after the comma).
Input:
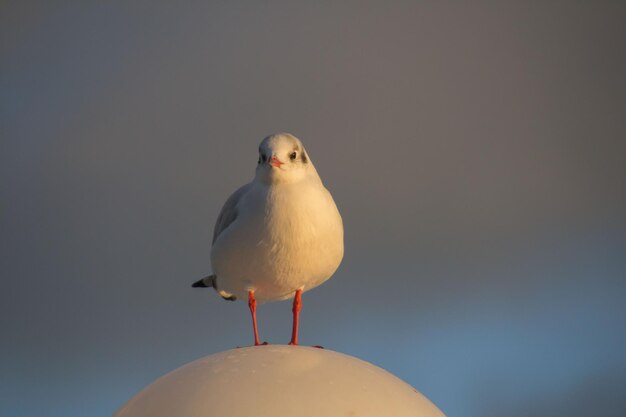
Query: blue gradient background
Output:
(476,152)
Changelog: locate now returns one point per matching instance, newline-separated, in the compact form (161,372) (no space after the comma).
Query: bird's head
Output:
(282,158)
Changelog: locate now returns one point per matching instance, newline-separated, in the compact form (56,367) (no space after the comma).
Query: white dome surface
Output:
(279,381)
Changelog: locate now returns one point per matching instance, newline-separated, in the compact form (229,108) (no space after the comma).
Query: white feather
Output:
(287,233)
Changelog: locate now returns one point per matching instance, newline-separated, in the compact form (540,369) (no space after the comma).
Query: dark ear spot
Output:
(304,157)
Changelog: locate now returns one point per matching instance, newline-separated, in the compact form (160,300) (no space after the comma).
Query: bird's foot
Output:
(256,344)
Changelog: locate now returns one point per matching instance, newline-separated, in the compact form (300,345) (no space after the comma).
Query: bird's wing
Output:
(229,211)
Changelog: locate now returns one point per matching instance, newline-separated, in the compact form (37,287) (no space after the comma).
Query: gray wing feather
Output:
(229,212)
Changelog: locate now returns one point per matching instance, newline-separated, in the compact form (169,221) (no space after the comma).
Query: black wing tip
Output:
(199,284)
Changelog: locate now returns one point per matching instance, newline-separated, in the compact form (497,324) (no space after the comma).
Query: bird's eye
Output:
(262,158)
(293,156)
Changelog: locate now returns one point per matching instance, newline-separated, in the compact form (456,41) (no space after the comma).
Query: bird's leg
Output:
(297,306)
(252,305)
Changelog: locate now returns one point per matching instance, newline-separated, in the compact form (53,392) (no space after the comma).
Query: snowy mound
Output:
(279,381)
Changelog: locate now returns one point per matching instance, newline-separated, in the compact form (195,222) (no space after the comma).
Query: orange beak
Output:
(275,162)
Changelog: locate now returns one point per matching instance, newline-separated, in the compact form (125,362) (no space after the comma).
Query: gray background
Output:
(475,150)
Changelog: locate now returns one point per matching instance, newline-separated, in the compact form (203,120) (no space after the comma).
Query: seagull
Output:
(277,236)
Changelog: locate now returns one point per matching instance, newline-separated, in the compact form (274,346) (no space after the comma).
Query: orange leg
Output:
(297,306)
(252,305)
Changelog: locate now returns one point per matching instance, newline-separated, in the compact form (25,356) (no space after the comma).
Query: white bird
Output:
(277,236)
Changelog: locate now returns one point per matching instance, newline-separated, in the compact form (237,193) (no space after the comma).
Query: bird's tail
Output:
(206,282)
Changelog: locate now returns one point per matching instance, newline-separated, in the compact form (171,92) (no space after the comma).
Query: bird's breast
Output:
(285,239)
